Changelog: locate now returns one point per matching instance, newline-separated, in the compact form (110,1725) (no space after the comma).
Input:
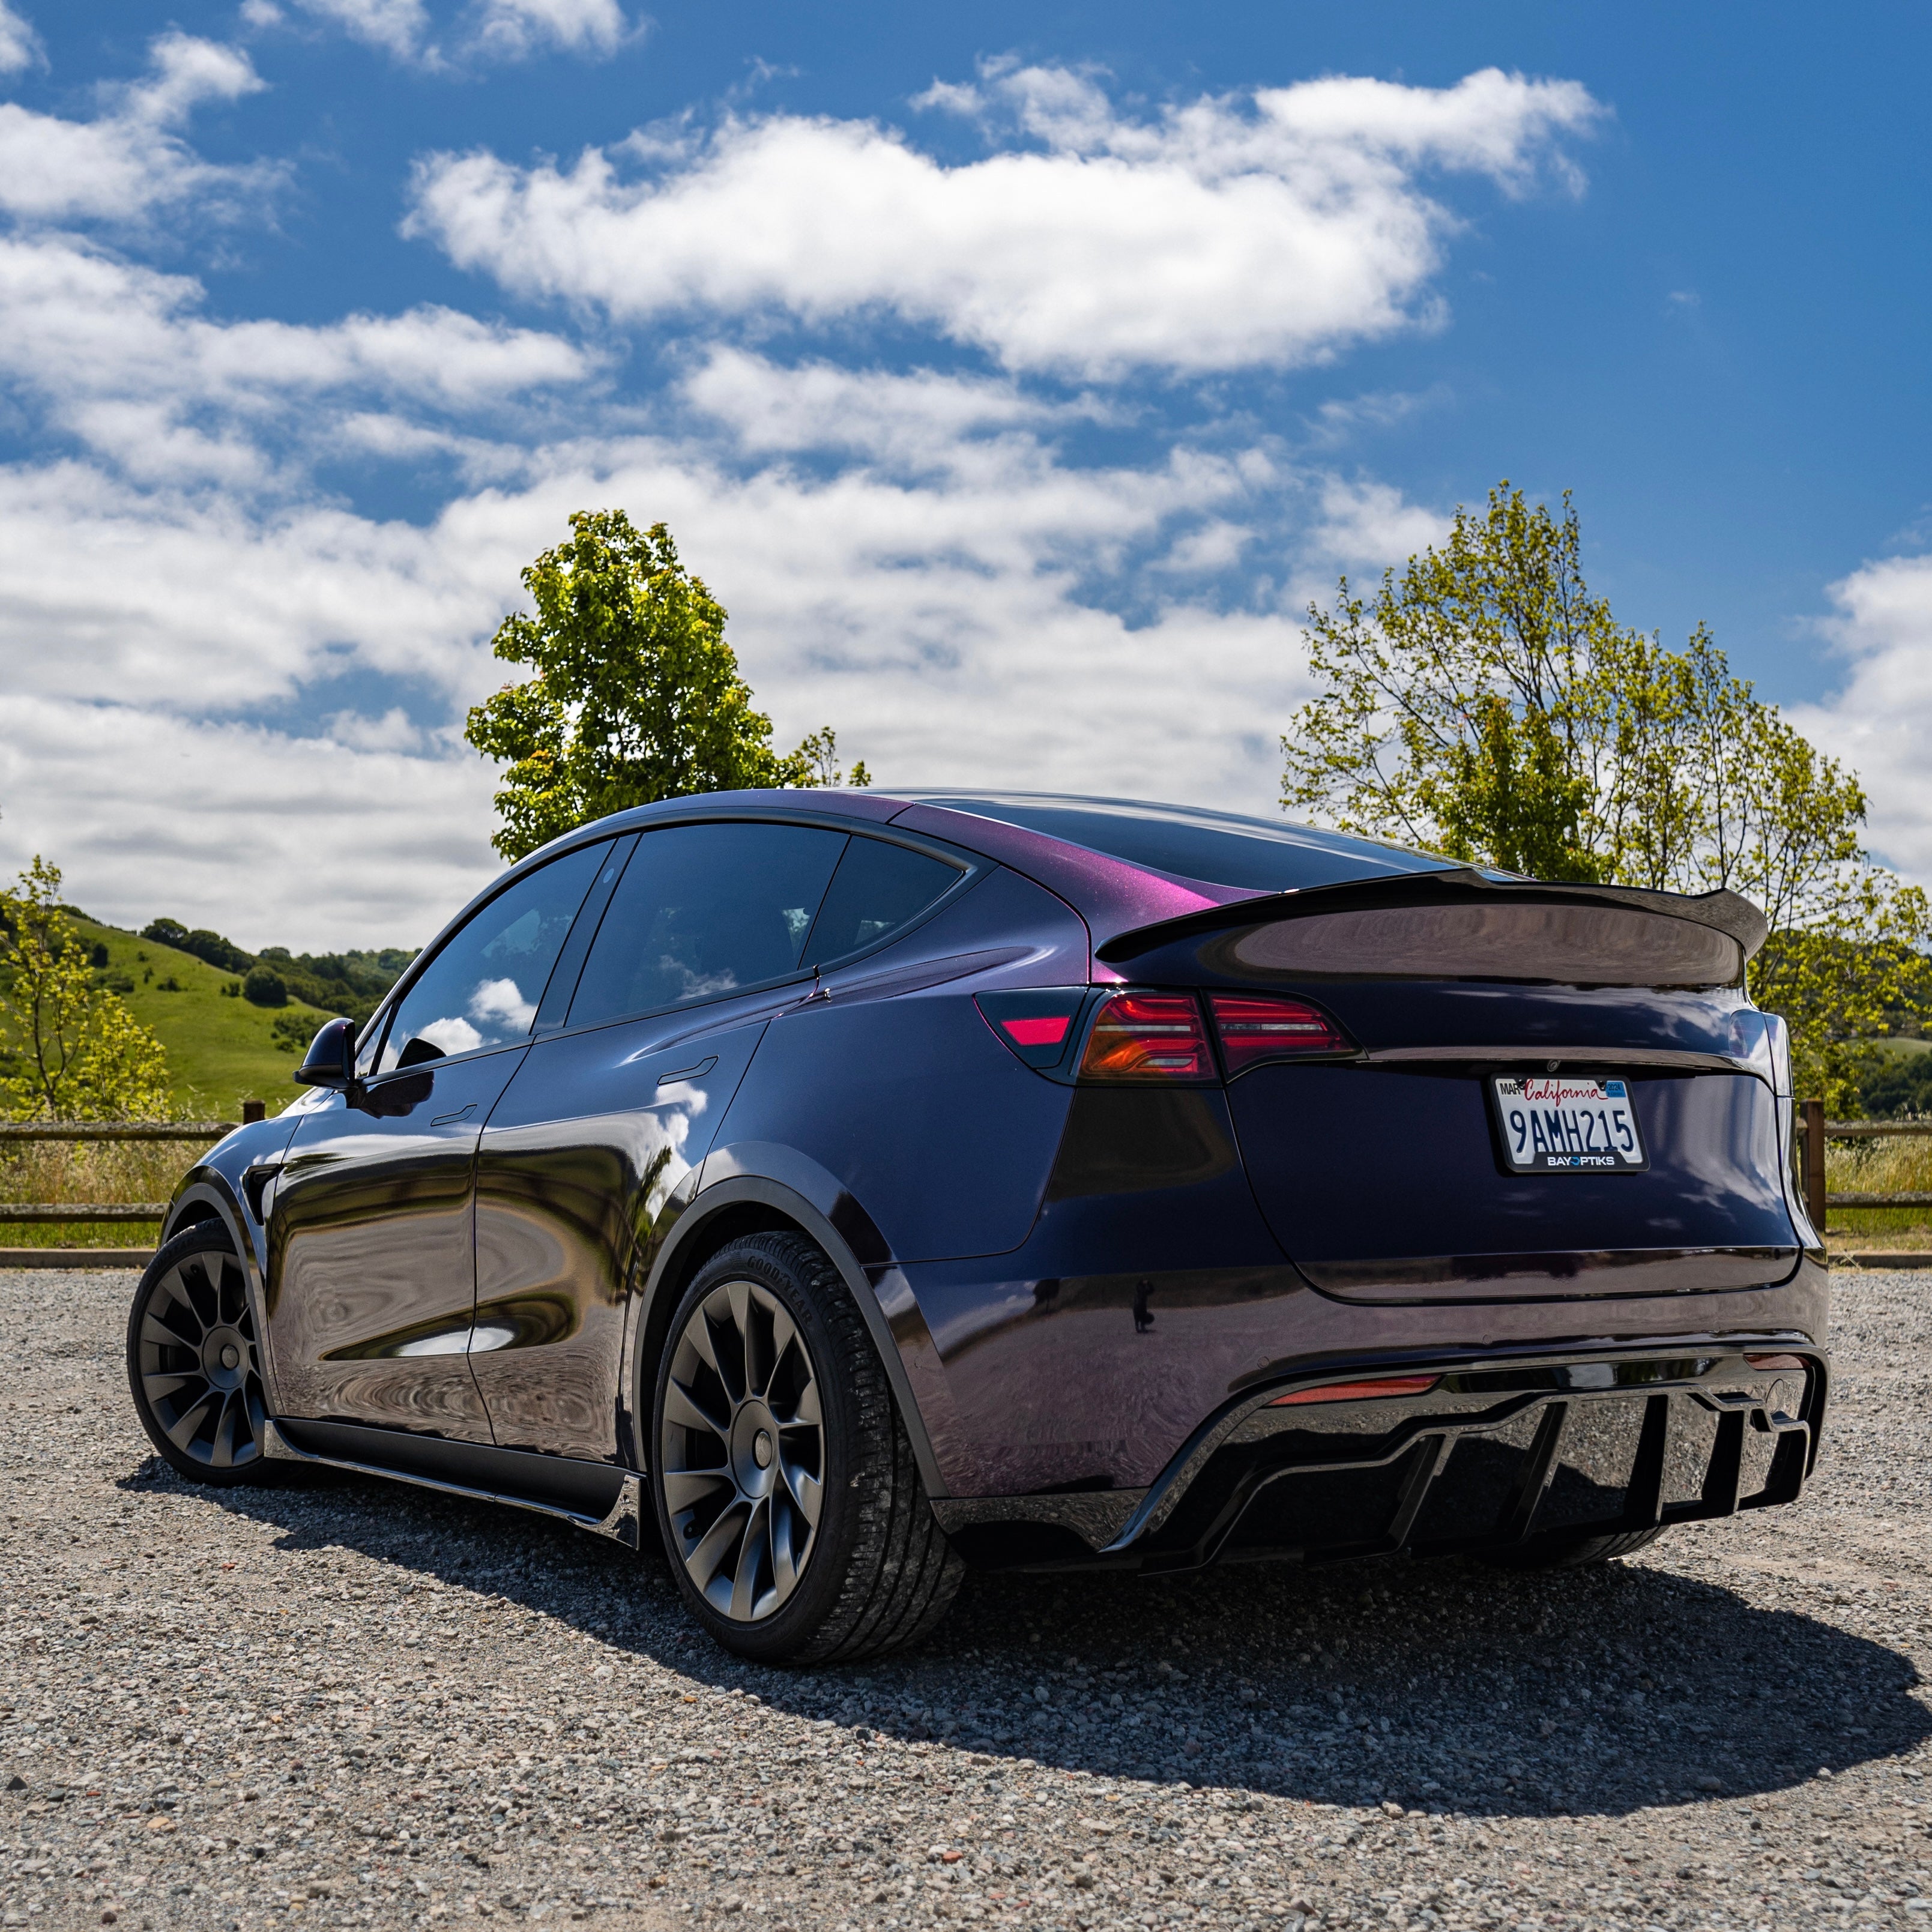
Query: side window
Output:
(483,988)
(877,888)
(702,911)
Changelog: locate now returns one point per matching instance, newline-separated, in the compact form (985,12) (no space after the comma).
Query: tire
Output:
(193,1364)
(791,1509)
(1559,1551)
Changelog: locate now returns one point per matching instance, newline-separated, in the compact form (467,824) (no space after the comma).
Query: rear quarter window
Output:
(879,888)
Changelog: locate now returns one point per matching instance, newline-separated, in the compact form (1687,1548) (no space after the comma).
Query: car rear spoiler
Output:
(1723,912)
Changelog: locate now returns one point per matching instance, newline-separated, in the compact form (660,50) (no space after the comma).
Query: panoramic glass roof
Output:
(1223,848)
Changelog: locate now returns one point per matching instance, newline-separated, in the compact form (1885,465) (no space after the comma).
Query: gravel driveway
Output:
(337,1703)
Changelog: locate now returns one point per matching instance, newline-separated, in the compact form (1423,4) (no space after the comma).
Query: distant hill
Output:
(234,1025)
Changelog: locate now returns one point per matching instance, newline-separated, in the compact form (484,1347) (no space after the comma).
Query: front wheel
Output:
(1559,1551)
(797,1527)
(193,1364)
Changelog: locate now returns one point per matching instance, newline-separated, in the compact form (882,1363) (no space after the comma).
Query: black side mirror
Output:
(331,1058)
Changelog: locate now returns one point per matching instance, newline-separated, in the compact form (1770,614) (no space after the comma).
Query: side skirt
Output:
(595,1496)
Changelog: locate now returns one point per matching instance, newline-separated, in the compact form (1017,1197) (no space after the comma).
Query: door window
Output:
(483,988)
(878,888)
(704,911)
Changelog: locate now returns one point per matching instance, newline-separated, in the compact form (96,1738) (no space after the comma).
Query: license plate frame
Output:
(1567,1123)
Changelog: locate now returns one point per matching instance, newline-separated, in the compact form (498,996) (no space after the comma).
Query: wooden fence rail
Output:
(1816,1130)
(79,1213)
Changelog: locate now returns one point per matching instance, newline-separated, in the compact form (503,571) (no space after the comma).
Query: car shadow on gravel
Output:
(1428,1685)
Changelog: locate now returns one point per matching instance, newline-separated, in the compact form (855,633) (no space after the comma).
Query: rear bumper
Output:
(1504,1448)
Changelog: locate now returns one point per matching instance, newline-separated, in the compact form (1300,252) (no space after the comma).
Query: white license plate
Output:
(1556,1123)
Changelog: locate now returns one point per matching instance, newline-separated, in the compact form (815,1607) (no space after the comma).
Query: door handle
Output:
(450,1119)
(697,1072)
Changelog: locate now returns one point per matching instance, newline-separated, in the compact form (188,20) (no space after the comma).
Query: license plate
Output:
(1556,1123)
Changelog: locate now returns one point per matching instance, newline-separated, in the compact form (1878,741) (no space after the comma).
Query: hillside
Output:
(221,1049)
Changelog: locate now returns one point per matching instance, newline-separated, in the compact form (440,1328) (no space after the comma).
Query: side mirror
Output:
(331,1058)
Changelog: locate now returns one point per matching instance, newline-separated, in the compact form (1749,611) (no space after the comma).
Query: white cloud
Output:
(1879,723)
(513,29)
(274,840)
(397,27)
(1272,228)
(19,45)
(117,356)
(487,30)
(130,161)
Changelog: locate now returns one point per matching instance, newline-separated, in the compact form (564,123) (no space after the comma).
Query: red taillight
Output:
(1776,1361)
(1387,1385)
(1147,1036)
(1253,1029)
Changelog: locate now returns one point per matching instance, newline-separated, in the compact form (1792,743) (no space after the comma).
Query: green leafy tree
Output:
(74,1051)
(1483,704)
(635,694)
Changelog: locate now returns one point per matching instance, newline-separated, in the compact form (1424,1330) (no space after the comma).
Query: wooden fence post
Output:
(1814,1162)
(253,1111)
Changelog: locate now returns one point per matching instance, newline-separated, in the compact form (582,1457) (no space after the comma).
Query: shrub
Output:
(262,987)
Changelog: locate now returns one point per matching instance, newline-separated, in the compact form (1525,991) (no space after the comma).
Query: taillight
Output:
(1252,1029)
(1371,1391)
(1147,1036)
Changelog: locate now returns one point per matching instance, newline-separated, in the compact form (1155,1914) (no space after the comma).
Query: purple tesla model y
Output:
(842,1189)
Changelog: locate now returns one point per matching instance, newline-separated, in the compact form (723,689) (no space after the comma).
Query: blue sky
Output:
(1015,376)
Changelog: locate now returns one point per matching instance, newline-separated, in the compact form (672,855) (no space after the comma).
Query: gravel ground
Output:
(337,1703)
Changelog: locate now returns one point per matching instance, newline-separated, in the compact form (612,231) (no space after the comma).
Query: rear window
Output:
(878,888)
(1223,848)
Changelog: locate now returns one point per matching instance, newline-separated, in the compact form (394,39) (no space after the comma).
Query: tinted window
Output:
(704,910)
(1225,848)
(482,989)
(876,889)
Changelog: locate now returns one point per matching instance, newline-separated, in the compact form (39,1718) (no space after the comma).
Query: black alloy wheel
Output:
(194,1363)
(791,1509)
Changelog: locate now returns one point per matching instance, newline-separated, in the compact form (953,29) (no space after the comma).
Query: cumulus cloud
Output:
(1880,722)
(19,45)
(131,160)
(487,30)
(1270,228)
(117,356)
(400,28)
(512,29)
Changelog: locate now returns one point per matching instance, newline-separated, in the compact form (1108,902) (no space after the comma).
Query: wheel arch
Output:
(205,1196)
(745,1202)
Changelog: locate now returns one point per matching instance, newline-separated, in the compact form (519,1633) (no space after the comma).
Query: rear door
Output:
(702,941)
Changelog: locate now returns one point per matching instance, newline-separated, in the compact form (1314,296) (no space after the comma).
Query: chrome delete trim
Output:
(1671,1058)
(622,1523)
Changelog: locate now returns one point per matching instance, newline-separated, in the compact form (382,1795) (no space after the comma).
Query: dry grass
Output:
(1899,1166)
(55,1171)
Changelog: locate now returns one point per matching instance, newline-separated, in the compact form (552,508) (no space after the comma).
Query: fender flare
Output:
(204,1195)
(805,1193)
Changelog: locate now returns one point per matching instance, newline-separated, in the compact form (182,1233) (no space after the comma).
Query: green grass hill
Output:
(223,1047)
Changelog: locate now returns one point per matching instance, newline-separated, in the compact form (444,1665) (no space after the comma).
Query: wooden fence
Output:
(78,1213)
(1813,1130)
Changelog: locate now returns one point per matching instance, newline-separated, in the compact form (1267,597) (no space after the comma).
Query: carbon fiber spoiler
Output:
(1725,912)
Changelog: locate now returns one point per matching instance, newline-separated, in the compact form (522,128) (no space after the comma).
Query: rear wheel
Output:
(1559,1551)
(792,1511)
(193,1366)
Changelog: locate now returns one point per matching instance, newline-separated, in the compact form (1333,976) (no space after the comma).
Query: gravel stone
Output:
(345,1703)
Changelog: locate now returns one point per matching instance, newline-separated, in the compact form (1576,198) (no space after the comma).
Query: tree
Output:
(1484,705)
(635,695)
(75,1051)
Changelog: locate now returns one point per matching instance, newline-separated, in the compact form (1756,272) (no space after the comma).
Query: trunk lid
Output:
(1384,1173)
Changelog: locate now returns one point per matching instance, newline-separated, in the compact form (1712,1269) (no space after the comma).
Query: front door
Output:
(371,1264)
(370,1253)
